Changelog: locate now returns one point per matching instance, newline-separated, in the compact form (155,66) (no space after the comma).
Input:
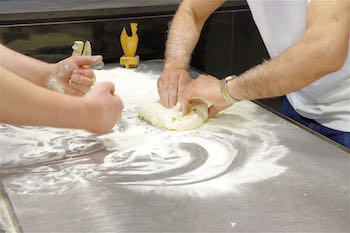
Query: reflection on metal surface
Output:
(227,174)
(212,160)
(228,151)
(8,220)
(32,145)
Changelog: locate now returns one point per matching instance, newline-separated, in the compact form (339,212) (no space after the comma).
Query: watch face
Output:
(229,78)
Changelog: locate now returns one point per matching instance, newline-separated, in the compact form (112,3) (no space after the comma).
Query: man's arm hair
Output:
(185,30)
(322,49)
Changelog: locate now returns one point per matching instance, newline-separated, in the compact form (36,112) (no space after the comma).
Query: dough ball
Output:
(172,118)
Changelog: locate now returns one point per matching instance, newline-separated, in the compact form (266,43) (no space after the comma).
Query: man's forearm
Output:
(322,50)
(182,38)
(287,73)
(185,30)
(22,102)
(290,72)
(29,68)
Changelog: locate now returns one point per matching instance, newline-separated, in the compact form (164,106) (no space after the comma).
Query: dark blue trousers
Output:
(336,135)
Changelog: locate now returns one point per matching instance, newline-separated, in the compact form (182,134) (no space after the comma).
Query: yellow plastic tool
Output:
(129,46)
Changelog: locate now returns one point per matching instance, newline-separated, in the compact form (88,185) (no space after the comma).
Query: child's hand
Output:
(69,75)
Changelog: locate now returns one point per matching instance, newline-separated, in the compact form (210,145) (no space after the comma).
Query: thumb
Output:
(87,60)
(215,109)
(105,87)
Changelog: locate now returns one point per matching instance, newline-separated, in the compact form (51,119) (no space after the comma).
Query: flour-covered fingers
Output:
(81,80)
(86,60)
(215,109)
(75,92)
(89,73)
(82,88)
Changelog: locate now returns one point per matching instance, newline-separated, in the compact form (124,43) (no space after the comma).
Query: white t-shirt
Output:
(327,100)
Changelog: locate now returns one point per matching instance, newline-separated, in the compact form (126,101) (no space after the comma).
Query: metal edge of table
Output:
(8,216)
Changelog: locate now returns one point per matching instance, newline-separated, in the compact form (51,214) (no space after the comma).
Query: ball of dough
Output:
(172,118)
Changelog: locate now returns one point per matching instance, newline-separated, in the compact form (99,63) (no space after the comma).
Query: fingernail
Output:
(97,58)
(97,66)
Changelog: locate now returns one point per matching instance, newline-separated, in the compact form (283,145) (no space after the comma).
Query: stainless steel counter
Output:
(247,170)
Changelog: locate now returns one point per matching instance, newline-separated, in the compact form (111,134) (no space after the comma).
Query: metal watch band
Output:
(224,90)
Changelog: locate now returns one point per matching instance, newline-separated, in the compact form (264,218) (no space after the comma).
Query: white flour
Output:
(220,157)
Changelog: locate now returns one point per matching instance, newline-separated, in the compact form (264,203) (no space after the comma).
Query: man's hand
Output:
(103,107)
(207,88)
(171,85)
(69,75)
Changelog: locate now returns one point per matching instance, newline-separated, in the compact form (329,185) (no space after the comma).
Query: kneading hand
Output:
(104,108)
(171,85)
(69,75)
(207,88)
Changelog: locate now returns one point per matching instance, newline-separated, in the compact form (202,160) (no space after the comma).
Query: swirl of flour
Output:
(185,160)
(230,151)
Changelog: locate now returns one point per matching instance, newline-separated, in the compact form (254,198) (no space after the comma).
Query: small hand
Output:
(207,88)
(171,85)
(104,108)
(69,75)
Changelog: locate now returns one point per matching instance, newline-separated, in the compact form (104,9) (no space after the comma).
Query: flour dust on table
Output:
(220,157)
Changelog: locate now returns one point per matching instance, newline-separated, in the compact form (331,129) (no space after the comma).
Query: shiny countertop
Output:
(247,170)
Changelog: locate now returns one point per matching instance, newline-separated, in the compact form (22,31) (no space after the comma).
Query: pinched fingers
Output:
(81,80)
(80,88)
(86,60)
(75,92)
(89,73)
(215,109)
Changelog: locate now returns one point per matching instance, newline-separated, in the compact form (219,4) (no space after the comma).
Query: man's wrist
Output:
(174,66)
(225,90)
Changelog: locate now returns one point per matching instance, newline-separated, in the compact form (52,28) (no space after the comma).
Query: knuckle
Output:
(165,76)
(159,82)
(73,59)
(91,73)
(186,94)
(74,77)
(201,77)
(172,85)
(119,103)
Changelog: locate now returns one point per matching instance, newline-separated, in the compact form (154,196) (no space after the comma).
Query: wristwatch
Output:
(224,90)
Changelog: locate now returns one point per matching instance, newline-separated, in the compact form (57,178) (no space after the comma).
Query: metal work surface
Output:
(247,170)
